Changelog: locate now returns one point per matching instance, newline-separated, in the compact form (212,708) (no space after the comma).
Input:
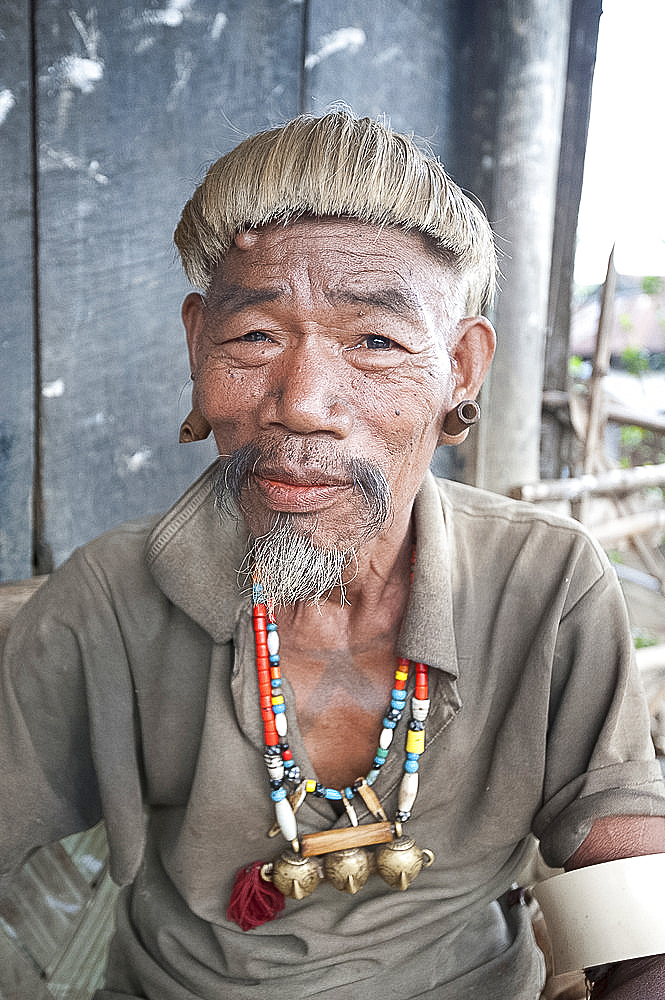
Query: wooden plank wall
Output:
(131,102)
(16,289)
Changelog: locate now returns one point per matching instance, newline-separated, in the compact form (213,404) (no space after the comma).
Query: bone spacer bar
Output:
(326,841)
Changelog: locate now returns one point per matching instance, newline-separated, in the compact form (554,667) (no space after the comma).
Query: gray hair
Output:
(341,166)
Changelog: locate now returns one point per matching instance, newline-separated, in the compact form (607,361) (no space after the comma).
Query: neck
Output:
(376,588)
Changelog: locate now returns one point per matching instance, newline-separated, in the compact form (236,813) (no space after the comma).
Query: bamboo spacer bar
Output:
(326,841)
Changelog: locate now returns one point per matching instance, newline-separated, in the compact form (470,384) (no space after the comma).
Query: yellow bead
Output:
(415,741)
(401,675)
(278,699)
(310,785)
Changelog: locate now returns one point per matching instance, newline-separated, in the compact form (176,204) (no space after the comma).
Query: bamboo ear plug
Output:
(464,416)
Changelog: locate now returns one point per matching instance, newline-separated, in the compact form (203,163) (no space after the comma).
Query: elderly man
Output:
(324,678)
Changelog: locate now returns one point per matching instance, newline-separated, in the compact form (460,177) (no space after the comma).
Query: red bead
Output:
(421,681)
(287,755)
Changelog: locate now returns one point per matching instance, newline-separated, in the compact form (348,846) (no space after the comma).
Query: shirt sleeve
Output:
(68,746)
(600,759)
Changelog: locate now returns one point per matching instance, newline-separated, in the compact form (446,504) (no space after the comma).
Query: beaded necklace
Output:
(278,756)
(338,855)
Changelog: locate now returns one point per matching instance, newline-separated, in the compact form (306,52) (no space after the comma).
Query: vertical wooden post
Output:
(601,360)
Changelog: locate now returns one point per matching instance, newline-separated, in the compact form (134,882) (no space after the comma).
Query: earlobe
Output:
(471,354)
(195,427)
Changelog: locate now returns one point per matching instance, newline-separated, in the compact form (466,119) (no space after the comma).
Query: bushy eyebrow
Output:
(399,301)
(237,297)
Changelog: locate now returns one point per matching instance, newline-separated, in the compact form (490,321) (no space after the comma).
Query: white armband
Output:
(605,913)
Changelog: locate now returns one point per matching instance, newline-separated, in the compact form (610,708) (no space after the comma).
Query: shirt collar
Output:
(194,553)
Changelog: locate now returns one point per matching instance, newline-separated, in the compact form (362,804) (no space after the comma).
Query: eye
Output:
(375,342)
(255,337)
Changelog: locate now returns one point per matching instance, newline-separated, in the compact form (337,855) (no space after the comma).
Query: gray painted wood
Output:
(533,44)
(135,101)
(16,316)
(392,57)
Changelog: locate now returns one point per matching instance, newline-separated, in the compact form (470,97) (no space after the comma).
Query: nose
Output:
(311,392)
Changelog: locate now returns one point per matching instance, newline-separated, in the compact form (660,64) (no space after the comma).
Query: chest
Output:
(341,698)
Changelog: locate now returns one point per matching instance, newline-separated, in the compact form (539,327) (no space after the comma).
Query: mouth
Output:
(295,492)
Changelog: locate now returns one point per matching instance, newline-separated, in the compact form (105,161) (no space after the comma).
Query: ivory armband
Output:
(605,913)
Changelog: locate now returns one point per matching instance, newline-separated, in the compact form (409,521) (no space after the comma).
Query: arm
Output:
(612,838)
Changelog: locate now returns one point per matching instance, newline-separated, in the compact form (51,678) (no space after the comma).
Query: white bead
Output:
(408,790)
(286,819)
(276,769)
(273,642)
(420,708)
(386,738)
(281,725)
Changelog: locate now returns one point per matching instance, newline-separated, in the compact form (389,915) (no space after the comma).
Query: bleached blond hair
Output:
(341,166)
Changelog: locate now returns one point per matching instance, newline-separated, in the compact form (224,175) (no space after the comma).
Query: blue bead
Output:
(278,709)
(398,695)
(271,627)
(278,794)
(274,658)
(348,792)
(389,723)
(412,756)
(372,776)
(332,793)
(379,762)
(411,766)
(276,683)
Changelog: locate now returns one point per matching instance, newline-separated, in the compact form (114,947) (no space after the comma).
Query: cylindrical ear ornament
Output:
(465,415)
(194,428)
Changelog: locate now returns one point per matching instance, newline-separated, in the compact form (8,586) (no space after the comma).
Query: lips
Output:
(294,493)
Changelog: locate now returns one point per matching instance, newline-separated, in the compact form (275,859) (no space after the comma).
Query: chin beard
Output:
(291,568)
(284,558)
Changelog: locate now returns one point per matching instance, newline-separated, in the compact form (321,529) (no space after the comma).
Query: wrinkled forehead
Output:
(346,255)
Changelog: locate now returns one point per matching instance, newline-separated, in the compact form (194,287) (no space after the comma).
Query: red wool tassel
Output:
(253,900)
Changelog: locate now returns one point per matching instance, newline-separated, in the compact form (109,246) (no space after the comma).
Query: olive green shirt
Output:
(129,692)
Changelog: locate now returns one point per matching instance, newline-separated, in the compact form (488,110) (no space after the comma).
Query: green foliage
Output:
(635,360)
(642,639)
(653,284)
(631,436)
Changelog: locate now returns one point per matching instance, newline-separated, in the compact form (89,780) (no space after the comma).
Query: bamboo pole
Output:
(630,526)
(601,360)
(615,482)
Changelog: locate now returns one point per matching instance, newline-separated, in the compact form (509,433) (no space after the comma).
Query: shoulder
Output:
(520,536)
(462,503)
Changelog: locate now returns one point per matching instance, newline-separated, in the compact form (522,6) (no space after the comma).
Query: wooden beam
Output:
(613,483)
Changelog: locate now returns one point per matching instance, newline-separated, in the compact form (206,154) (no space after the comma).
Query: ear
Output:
(471,354)
(193,316)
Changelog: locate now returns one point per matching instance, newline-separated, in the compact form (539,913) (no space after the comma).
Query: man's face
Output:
(320,343)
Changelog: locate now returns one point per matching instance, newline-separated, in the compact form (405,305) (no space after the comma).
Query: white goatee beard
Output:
(290,568)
